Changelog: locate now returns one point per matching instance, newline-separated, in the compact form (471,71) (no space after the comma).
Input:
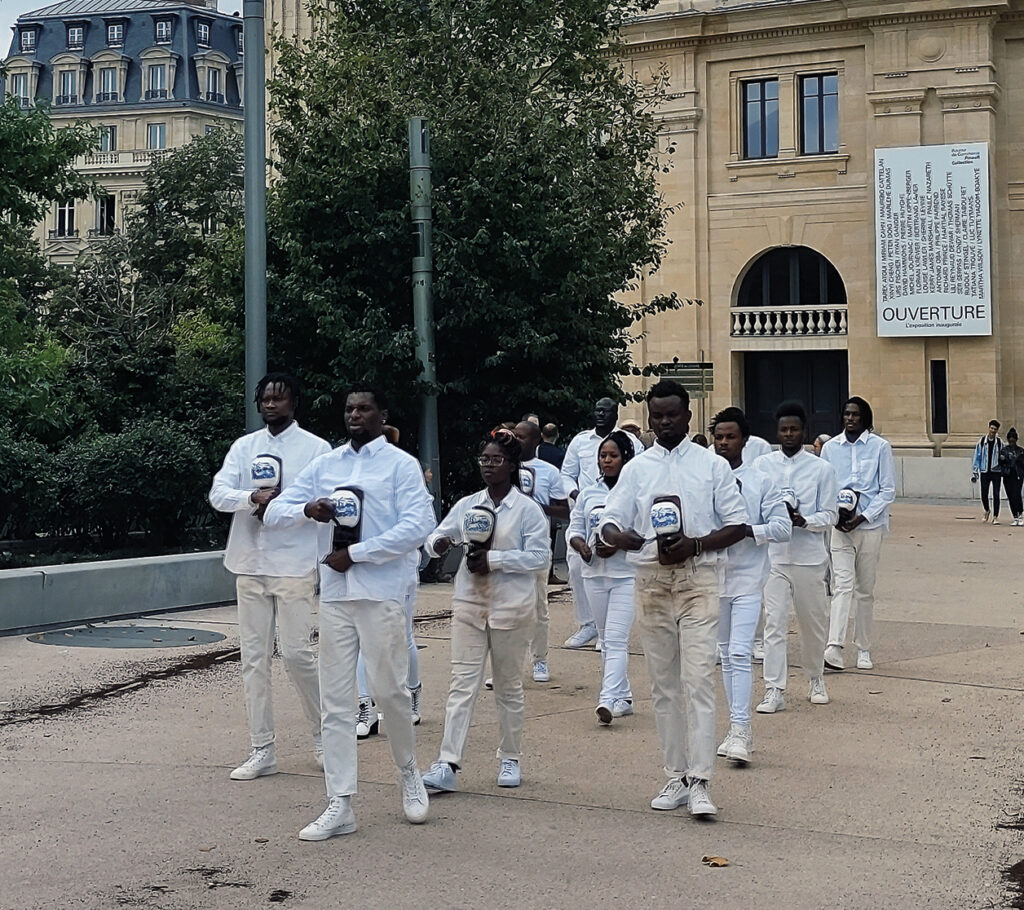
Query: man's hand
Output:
(677,548)
(319,510)
(476,562)
(622,540)
(794,516)
(581,547)
(852,523)
(748,531)
(261,499)
(339,560)
(604,551)
(442,545)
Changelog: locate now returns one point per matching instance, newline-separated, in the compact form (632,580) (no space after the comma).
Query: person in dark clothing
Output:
(548,450)
(1011,463)
(986,467)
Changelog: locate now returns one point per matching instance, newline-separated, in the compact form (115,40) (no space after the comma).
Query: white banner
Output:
(932,241)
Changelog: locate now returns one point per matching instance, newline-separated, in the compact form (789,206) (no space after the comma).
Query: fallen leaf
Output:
(716,862)
(262,840)
(207,849)
(947,699)
(874,692)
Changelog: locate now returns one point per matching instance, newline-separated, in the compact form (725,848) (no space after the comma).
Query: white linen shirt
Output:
(703,482)
(254,549)
(813,482)
(866,466)
(547,483)
(580,468)
(505,598)
(594,497)
(747,568)
(397,517)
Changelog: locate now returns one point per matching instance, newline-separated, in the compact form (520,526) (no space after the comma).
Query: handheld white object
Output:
(846,500)
(666,518)
(266,472)
(594,524)
(527,481)
(789,498)
(348,508)
(478,526)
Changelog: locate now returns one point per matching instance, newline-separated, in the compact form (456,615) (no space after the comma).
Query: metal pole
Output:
(254,100)
(422,298)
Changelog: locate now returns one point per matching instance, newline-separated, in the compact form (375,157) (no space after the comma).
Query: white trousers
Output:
(737,622)
(413,679)
(803,588)
(854,567)
(263,601)
(677,615)
(539,644)
(613,606)
(470,647)
(579,596)
(377,628)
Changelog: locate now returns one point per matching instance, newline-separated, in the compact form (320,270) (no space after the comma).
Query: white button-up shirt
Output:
(547,481)
(866,466)
(397,516)
(580,468)
(746,570)
(703,482)
(507,596)
(254,549)
(813,482)
(588,509)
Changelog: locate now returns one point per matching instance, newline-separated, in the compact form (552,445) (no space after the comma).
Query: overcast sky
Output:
(11,9)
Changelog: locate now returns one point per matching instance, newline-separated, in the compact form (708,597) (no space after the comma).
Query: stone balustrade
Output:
(790,322)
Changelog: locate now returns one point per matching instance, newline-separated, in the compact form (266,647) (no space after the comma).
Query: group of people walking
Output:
(997,462)
(700,545)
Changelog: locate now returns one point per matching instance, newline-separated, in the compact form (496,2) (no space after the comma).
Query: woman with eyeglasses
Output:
(493,606)
(607,579)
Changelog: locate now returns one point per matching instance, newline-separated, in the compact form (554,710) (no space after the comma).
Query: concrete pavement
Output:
(889,797)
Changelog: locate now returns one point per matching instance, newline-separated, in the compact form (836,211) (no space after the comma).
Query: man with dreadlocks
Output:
(275,570)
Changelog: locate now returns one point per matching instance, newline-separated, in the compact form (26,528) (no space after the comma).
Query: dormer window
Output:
(163,31)
(241,42)
(203,34)
(115,34)
(76,37)
(28,40)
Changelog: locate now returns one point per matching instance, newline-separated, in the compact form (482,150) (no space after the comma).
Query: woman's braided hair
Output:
(506,440)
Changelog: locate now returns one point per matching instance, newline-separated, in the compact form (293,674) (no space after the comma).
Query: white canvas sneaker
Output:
(673,795)
(604,714)
(864,661)
(700,800)
(415,695)
(260,763)
(818,694)
(541,673)
(440,777)
(509,774)
(415,801)
(773,701)
(367,722)
(741,744)
(758,653)
(337,818)
(622,707)
(834,658)
(723,749)
(582,637)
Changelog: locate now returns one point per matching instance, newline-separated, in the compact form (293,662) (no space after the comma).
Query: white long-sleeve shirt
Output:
(253,548)
(397,516)
(813,482)
(746,570)
(703,482)
(588,509)
(547,481)
(866,466)
(506,597)
(580,468)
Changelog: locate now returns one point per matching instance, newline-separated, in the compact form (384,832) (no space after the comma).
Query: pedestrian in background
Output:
(986,469)
(1011,463)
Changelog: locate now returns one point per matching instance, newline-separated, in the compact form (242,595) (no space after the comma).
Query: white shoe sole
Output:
(238,774)
(766,709)
(604,714)
(819,700)
(509,783)
(741,758)
(703,811)
(327,835)
(417,818)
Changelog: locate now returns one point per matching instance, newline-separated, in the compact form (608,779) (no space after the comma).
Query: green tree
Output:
(546,204)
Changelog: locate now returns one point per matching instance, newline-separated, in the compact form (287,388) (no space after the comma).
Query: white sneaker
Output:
(415,802)
(673,795)
(622,707)
(582,637)
(599,646)
(985,519)
(488,683)
(337,818)
(318,756)
(700,799)
(509,774)
(818,693)
(757,655)
(834,658)
(741,744)
(604,714)
(864,661)
(773,701)
(260,763)
(723,749)
(414,695)
(541,673)
(367,723)
(440,777)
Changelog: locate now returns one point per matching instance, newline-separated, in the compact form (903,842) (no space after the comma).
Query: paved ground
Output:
(114,789)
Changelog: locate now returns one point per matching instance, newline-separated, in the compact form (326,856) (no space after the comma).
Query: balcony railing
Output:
(122,158)
(67,99)
(61,233)
(215,97)
(156,94)
(100,159)
(100,232)
(144,156)
(25,102)
(104,97)
(788,322)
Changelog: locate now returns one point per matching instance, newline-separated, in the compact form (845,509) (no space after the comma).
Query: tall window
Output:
(19,88)
(106,215)
(819,111)
(156,135)
(108,85)
(68,87)
(792,276)
(28,41)
(163,31)
(761,119)
(108,138)
(76,37)
(213,90)
(115,34)
(241,41)
(65,219)
(157,81)
(203,34)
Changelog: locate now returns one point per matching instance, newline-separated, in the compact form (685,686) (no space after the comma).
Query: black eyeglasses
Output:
(485,460)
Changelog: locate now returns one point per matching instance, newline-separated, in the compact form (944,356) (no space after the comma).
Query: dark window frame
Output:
(767,109)
(824,144)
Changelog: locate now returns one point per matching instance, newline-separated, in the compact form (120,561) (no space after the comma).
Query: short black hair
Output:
(865,410)
(732,415)
(365,387)
(792,409)
(667,388)
(286,379)
(1011,433)
(994,423)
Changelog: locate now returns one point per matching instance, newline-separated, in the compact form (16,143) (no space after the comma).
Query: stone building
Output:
(151,74)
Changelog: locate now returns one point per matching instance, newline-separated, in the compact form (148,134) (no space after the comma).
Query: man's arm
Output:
(288,509)
(886,485)
(225,495)
(449,529)
(535,554)
(775,526)
(827,513)
(571,468)
(415,520)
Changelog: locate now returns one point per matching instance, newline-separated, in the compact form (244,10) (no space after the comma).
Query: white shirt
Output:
(866,466)
(397,517)
(813,482)
(580,468)
(547,481)
(588,509)
(507,596)
(746,570)
(703,482)
(753,449)
(254,549)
